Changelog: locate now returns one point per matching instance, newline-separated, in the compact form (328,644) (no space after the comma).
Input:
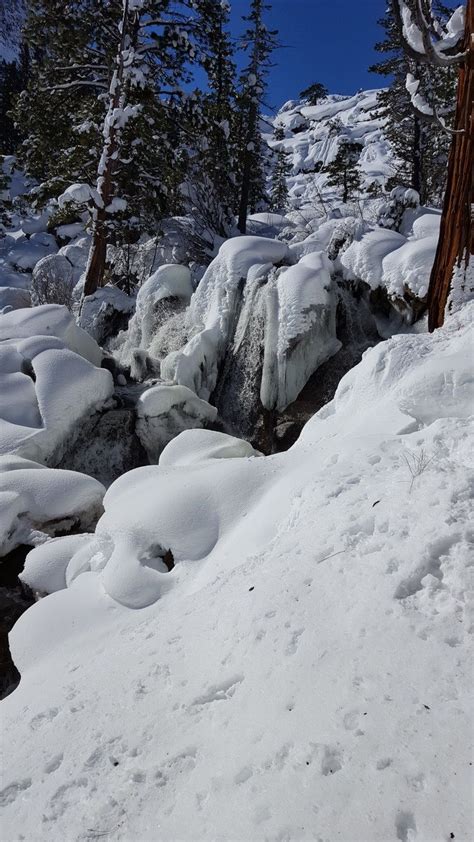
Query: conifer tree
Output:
(313,93)
(259,42)
(421,147)
(212,170)
(281,171)
(344,171)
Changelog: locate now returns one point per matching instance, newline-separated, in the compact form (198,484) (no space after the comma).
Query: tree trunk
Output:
(246,174)
(98,252)
(455,238)
(416,181)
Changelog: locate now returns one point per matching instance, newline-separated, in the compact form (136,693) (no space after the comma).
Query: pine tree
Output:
(98,110)
(259,42)
(213,164)
(344,171)
(420,146)
(313,93)
(281,171)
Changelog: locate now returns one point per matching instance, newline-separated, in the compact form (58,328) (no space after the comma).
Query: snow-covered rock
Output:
(49,381)
(36,502)
(106,312)
(165,411)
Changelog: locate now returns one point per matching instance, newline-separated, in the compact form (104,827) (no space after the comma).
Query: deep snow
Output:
(303,671)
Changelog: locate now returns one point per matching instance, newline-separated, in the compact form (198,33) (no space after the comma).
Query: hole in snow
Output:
(157,558)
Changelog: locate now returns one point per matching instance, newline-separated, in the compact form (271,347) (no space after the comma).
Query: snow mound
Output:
(48,381)
(212,311)
(201,445)
(46,564)
(169,281)
(36,501)
(165,411)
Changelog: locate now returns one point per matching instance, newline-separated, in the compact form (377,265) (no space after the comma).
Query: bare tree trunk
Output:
(455,239)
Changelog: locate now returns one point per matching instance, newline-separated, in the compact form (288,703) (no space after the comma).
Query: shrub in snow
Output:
(52,281)
(391,213)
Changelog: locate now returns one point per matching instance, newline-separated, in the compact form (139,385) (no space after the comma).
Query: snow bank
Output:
(165,411)
(212,311)
(201,445)
(36,501)
(49,381)
(311,646)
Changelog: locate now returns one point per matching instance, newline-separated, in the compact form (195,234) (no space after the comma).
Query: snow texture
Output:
(49,380)
(309,648)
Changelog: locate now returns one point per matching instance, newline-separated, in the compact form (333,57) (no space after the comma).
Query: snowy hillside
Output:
(313,134)
(302,670)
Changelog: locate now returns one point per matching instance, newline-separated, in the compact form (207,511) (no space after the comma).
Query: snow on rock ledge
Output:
(48,381)
(165,411)
(35,500)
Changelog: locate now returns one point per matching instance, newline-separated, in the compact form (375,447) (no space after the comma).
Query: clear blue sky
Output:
(328,41)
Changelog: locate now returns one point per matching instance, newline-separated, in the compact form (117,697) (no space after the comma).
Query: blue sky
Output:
(328,41)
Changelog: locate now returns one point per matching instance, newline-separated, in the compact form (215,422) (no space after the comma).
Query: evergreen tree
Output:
(98,110)
(13,79)
(259,42)
(344,171)
(313,93)
(421,147)
(213,164)
(281,171)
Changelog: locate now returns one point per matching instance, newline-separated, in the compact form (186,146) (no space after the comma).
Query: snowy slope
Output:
(303,671)
(312,135)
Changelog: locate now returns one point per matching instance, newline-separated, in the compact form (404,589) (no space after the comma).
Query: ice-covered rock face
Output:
(36,502)
(106,312)
(49,381)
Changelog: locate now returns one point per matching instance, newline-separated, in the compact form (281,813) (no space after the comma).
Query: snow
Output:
(169,281)
(382,257)
(302,670)
(36,502)
(78,194)
(301,329)
(212,309)
(49,381)
(46,564)
(165,411)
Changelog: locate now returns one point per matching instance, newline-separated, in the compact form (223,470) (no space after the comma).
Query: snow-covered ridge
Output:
(312,135)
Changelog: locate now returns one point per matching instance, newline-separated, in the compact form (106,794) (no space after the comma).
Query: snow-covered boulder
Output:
(25,253)
(45,565)
(52,281)
(165,411)
(106,312)
(36,501)
(50,381)
(13,298)
(194,446)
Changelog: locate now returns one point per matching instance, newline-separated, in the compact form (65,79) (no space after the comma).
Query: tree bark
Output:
(455,239)
(98,252)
